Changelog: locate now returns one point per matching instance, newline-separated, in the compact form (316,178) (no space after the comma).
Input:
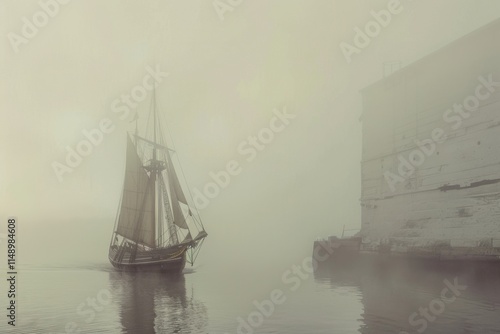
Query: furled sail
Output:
(137,218)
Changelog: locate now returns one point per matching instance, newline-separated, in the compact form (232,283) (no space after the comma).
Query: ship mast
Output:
(154,175)
(160,187)
(154,124)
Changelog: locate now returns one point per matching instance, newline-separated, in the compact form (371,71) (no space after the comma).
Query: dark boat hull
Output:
(167,260)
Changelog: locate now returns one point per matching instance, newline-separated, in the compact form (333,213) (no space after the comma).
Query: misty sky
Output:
(225,79)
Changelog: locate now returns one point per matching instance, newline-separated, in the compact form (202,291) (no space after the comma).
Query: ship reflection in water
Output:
(156,303)
(421,297)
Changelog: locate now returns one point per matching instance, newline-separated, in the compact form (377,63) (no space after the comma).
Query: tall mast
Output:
(159,179)
(154,123)
(154,171)
(161,194)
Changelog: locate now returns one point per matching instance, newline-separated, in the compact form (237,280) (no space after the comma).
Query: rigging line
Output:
(149,118)
(170,237)
(160,212)
(117,216)
(167,158)
(161,119)
(172,228)
(154,122)
(184,177)
(137,232)
(137,171)
(141,152)
(195,252)
(141,148)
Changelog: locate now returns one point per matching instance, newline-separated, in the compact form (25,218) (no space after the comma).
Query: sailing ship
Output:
(156,229)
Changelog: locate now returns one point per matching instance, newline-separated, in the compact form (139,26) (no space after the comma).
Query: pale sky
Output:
(225,79)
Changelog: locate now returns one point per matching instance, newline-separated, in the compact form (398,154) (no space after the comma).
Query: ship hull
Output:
(171,260)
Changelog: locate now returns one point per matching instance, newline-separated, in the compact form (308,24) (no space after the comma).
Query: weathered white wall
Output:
(407,107)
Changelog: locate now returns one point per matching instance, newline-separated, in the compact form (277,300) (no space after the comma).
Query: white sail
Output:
(172,178)
(173,184)
(179,218)
(176,195)
(137,219)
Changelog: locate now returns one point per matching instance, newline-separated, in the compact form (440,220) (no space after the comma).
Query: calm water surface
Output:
(97,299)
